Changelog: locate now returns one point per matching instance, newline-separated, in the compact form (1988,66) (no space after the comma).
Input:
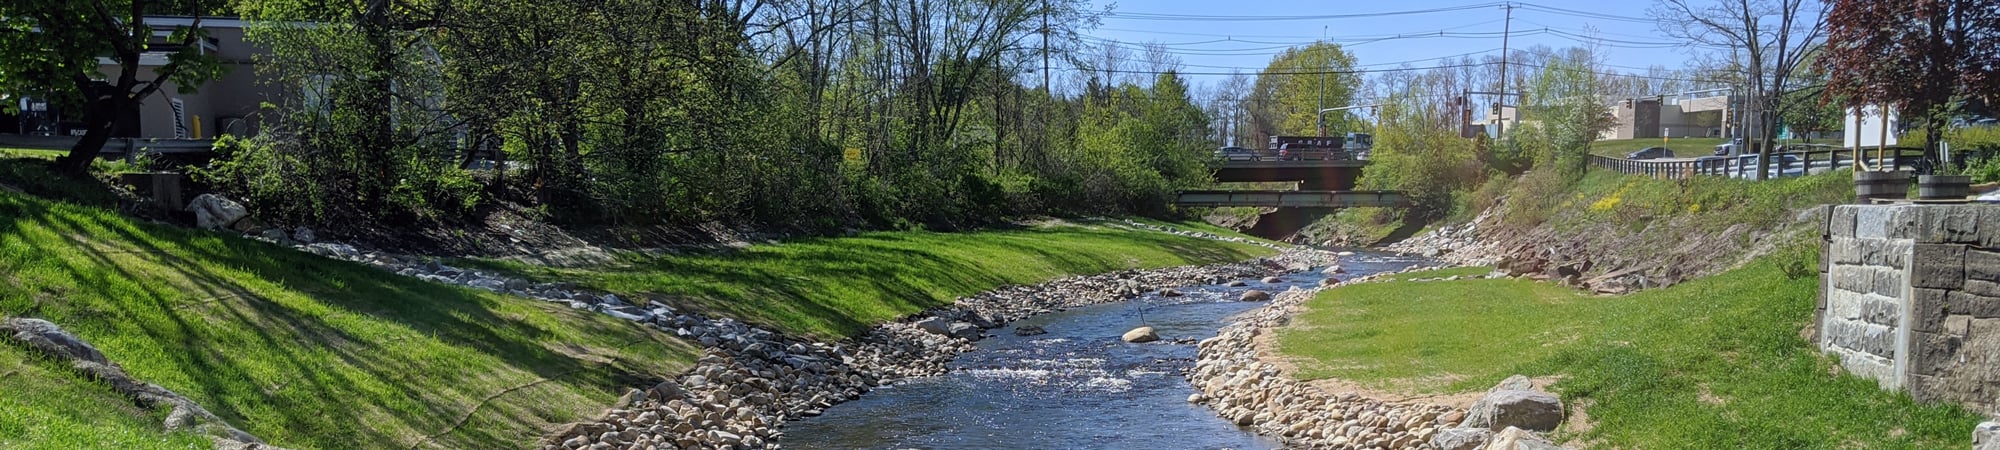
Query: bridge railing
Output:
(1798,164)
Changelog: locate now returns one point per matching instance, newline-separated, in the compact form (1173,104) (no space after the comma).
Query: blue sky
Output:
(1215,36)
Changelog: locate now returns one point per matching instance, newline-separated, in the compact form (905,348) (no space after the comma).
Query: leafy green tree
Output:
(1290,91)
(51,49)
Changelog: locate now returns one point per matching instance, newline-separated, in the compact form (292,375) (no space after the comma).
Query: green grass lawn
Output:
(1712,363)
(44,406)
(834,287)
(302,351)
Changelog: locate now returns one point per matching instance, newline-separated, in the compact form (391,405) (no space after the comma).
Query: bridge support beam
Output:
(1282,223)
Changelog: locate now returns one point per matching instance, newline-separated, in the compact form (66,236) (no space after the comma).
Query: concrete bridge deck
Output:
(1329,175)
(1291,199)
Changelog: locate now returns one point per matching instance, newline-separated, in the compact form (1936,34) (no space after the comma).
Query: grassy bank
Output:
(835,287)
(1712,363)
(299,350)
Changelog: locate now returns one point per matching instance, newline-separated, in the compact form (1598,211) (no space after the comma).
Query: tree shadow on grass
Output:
(316,353)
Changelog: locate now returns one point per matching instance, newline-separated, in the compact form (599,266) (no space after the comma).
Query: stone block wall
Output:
(1910,297)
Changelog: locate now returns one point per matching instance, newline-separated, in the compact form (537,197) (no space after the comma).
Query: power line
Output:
(1305,72)
(1215,18)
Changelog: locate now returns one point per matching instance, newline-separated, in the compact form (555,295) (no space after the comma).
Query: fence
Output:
(1784,164)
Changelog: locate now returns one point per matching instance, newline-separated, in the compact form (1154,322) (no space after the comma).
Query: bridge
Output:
(1329,175)
(1323,187)
(1291,199)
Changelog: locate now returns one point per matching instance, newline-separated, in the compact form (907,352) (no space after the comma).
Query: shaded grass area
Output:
(45,406)
(836,287)
(1712,363)
(303,351)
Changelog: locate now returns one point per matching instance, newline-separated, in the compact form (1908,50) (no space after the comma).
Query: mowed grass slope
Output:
(1713,363)
(302,351)
(836,287)
(43,405)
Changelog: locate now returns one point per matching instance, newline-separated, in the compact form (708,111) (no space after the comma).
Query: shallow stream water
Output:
(1077,387)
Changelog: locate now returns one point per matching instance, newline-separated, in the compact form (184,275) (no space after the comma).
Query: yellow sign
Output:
(853,154)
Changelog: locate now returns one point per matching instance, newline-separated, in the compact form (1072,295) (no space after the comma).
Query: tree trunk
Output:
(100,119)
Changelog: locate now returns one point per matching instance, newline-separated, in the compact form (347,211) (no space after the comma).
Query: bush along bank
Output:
(750,380)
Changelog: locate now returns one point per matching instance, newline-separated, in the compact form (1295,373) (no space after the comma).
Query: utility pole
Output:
(1045,47)
(1322,81)
(1500,111)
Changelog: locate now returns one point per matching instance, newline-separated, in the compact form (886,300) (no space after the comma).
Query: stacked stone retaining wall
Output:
(1910,297)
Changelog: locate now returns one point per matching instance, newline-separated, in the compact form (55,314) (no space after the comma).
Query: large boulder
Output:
(1515,403)
(1986,436)
(47,337)
(1141,335)
(214,212)
(1254,295)
(1461,438)
(1518,439)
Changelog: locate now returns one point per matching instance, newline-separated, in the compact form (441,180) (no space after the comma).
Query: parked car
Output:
(1235,154)
(1651,153)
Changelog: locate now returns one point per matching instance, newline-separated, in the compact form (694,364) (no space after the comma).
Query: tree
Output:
(52,48)
(1918,56)
(1289,92)
(1769,38)
(1807,110)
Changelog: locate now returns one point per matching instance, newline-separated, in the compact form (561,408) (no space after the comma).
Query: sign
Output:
(180,119)
(1871,126)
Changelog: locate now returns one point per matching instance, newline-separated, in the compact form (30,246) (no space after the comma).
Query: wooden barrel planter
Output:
(1869,186)
(1943,187)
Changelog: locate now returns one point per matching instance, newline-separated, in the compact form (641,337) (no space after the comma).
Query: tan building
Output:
(1656,117)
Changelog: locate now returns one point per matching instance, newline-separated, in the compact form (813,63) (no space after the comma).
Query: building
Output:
(227,104)
(1681,116)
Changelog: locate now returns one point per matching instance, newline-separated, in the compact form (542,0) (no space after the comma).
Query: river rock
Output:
(1141,335)
(1273,280)
(1237,283)
(1329,281)
(935,326)
(1170,292)
(1254,295)
(1333,270)
(1986,436)
(213,212)
(962,330)
(1029,330)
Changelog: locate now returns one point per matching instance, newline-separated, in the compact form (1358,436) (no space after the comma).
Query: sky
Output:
(1213,36)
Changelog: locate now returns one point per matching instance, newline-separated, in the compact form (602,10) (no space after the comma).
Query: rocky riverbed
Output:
(750,380)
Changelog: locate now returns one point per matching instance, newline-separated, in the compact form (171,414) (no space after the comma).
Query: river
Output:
(1078,386)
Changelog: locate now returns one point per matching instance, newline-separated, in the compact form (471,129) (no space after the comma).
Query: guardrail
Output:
(1798,164)
(126,148)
